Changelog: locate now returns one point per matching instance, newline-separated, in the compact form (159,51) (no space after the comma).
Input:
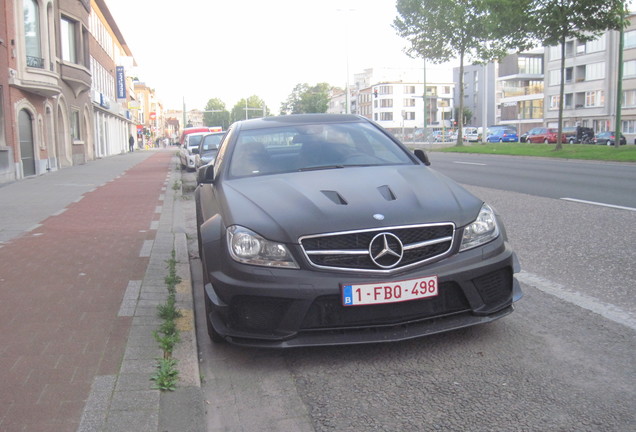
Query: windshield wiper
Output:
(322,167)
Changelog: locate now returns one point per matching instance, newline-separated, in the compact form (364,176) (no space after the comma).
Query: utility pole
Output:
(619,87)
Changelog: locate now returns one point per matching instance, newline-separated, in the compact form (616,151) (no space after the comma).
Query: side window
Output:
(218,162)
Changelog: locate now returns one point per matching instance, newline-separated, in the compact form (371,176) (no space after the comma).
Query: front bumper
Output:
(279,308)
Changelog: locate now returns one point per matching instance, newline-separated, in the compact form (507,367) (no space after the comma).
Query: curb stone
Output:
(128,401)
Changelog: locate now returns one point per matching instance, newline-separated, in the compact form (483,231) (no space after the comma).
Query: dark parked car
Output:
(579,135)
(608,138)
(209,148)
(323,229)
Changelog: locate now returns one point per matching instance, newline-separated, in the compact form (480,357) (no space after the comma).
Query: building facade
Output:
(520,91)
(46,103)
(111,64)
(479,93)
(591,83)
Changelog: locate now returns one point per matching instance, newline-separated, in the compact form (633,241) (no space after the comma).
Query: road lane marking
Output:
(469,163)
(606,310)
(599,204)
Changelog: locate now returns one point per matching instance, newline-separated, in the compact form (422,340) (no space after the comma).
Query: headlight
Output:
(249,248)
(481,231)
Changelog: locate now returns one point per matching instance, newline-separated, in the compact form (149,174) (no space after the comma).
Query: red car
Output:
(545,135)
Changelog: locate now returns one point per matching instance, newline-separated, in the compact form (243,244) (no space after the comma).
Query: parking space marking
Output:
(599,204)
(469,163)
(606,310)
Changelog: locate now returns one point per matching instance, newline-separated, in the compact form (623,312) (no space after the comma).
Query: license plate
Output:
(389,292)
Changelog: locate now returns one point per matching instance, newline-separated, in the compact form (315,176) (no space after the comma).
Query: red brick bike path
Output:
(61,287)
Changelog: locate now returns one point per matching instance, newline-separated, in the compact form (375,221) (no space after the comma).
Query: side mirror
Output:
(205,174)
(195,150)
(422,156)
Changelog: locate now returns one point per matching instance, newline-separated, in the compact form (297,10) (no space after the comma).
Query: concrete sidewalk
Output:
(83,257)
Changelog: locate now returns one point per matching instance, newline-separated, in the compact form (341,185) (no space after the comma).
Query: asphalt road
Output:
(602,182)
(564,360)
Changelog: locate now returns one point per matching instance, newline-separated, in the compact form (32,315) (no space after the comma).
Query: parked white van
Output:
(471,134)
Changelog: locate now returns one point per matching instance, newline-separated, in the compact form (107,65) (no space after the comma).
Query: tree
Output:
(219,118)
(555,21)
(252,107)
(305,99)
(479,30)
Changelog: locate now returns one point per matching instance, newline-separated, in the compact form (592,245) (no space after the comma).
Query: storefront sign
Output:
(121,82)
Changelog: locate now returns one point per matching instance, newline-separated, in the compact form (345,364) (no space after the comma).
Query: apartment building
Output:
(112,91)
(479,93)
(591,83)
(519,91)
(399,106)
(45,97)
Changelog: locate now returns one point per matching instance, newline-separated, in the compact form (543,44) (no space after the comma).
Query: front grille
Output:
(328,312)
(354,251)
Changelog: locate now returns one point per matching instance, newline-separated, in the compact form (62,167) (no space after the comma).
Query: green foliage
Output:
(626,153)
(252,107)
(307,99)
(477,30)
(167,374)
(220,118)
(168,334)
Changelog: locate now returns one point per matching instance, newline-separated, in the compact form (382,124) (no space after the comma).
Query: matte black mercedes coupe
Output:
(324,229)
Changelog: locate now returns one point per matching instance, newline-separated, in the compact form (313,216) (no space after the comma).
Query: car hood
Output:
(285,207)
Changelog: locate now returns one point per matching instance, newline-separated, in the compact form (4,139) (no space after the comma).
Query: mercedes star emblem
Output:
(386,250)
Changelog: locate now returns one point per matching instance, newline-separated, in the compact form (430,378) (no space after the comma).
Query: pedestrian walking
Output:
(131,143)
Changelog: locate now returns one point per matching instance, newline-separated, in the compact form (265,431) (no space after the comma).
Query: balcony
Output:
(76,76)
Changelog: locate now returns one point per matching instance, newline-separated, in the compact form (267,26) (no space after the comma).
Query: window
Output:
(75,125)
(530,65)
(386,116)
(409,89)
(68,36)
(629,98)
(385,90)
(595,45)
(629,68)
(555,77)
(594,98)
(409,115)
(554,102)
(555,52)
(595,71)
(630,39)
(32,34)
(628,126)
(386,103)
(409,102)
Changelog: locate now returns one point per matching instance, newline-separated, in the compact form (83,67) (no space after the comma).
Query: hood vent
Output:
(387,193)
(335,197)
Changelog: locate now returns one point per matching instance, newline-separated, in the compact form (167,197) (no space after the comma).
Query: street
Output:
(564,360)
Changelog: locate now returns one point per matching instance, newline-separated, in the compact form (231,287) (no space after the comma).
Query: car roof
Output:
(286,120)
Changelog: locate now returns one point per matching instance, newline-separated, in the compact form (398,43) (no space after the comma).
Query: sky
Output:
(196,50)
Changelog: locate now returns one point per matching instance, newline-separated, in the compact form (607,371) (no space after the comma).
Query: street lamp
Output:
(348,103)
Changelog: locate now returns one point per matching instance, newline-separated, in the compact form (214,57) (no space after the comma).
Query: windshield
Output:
(313,147)
(194,140)
(211,143)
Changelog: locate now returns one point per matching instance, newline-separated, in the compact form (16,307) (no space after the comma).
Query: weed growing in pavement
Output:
(168,334)
(176,185)
(167,375)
